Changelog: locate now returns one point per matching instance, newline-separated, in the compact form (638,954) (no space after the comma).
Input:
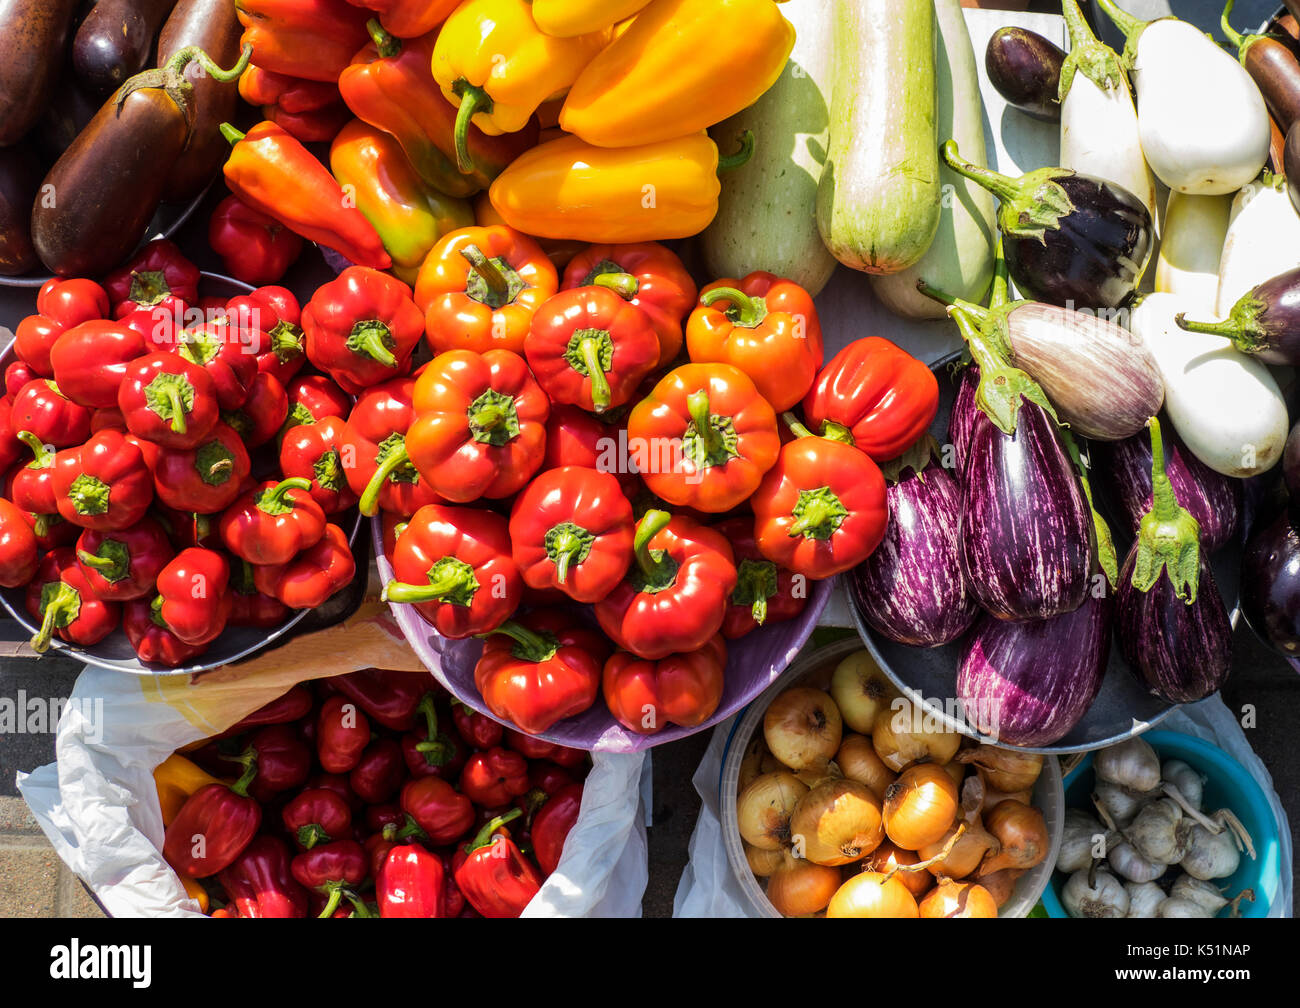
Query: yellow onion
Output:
(967,852)
(764,808)
(1004,769)
(920,807)
(958,899)
(889,856)
(993,797)
(902,735)
(762,862)
(1021,832)
(871,894)
(836,822)
(858,761)
(957,771)
(802,728)
(1001,884)
(798,887)
(752,762)
(861,690)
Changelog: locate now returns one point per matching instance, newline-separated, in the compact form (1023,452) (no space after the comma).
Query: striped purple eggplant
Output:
(1025,523)
(1122,469)
(1028,683)
(1270,584)
(961,419)
(911,589)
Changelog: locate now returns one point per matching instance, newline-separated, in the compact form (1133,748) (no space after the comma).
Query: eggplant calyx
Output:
(1130,26)
(1088,55)
(1168,538)
(1031,206)
(1239,42)
(1107,558)
(1244,326)
(916,457)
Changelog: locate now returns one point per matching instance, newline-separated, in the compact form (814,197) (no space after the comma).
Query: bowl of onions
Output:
(840,798)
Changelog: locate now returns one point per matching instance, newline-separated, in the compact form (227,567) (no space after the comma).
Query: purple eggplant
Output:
(1290,463)
(1270,585)
(1029,683)
(1173,627)
(1071,240)
(961,419)
(1265,321)
(912,589)
(1123,470)
(1025,69)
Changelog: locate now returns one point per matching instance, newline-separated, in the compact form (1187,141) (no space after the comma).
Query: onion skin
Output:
(889,856)
(837,822)
(1270,585)
(912,589)
(1000,884)
(1029,683)
(806,726)
(921,806)
(771,800)
(1102,379)
(898,745)
(858,761)
(1004,769)
(1022,833)
(798,888)
(867,894)
(958,899)
(967,853)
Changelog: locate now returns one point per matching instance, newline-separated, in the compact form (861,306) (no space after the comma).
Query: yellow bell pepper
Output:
(194,890)
(176,778)
(571,190)
(682,66)
(494,63)
(566,18)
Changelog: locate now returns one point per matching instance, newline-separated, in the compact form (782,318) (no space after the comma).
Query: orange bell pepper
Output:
(409,18)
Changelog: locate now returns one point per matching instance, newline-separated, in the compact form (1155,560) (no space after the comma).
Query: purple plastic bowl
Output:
(753,663)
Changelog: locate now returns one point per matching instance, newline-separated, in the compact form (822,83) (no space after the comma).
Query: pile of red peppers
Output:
(372,794)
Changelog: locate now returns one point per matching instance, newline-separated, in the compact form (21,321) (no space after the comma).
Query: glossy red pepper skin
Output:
(684,689)
(575,437)
(284,761)
(478,731)
(548,777)
(410,883)
(228,352)
(336,870)
(494,778)
(497,880)
(433,752)
(409,18)
(263,414)
(379,774)
(375,438)
(274,523)
(195,601)
(11,449)
(275,313)
(260,883)
(314,397)
(541,670)
(313,39)
(155,644)
(31,489)
(60,305)
(342,734)
(764,592)
(60,597)
(103,485)
(875,396)
(572,529)
(123,565)
(455,566)
(313,576)
(444,814)
(313,452)
(254,248)
(157,271)
(90,361)
(205,479)
(17,374)
(309,111)
(159,326)
(168,400)
(676,595)
(213,828)
(552,824)
(42,408)
(390,697)
(317,815)
(291,706)
(19,552)
(536,748)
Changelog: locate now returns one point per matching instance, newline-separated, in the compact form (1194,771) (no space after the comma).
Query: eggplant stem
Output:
(999,185)
(1233,37)
(1128,24)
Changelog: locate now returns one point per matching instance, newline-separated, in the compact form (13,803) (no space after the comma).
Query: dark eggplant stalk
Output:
(1173,627)
(33,36)
(1028,683)
(105,188)
(115,40)
(1123,470)
(1025,68)
(1071,240)
(1265,321)
(1270,584)
(912,589)
(1272,66)
(20,178)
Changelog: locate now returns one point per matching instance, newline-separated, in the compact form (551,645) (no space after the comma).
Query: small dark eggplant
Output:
(1025,68)
(33,37)
(115,40)
(69,113)
(1265,321)
(1173,628)
(1123,470)
(20,178)
(1071,240)
(912,589)
(1273,68)
(1291,463)
(1270,585)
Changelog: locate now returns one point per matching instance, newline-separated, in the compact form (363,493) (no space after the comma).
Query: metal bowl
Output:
(114,651)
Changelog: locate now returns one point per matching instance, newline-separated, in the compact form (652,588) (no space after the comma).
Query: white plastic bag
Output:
(98,805)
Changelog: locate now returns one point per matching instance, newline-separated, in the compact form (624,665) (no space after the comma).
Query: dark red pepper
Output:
(477,730)
(335,870)
(264,411)
(390,696)
(214,826)
(438,809)
(380,772)
(551,826)
(154,644)
(494,778)
(317,815)
(195,604)
(284,761)
(255,248)
(535,748)
(260,883)
(342,734)
(410,883)
(157,271)
(433,752)
(124,565)
(313,576)
(204,479)
(496,878)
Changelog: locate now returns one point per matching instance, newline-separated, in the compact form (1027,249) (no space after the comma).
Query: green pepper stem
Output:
(95,562)
(367,340)
(484,836)
(749,311)
(44,457)
(387,44)
(815,515)
(567,547)
(625,285)
(173,396)
(652,523)
(532,644)
(369,503)
(335,894)
(697,404)
(497,285)
(733,161)
(409,829)
(248,760)
(276,497)
(396,591)
(64,599)
(473,100)
(600,392)
(796,428)
(232,135)
(312,834)
(999,185)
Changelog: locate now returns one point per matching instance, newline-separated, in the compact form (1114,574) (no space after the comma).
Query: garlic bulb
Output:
(1131,764)
(1155,832)
(1115,802)
(1143,898)
(1189,783)
(1198,891)
(1102,896)
(1173,907)
(1127,862)
(1208,855)
(1079,841)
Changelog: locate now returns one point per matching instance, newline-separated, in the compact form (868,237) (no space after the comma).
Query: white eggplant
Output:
(1099,124)
(1263,240)
(1191,248)
(1224,404)
(1203,123)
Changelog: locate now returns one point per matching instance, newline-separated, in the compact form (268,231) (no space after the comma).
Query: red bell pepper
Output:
(275,313)
(314,397)
(205,479)
(576,438)
(342,734)
(683,689)
(454,565)
(284,761)
(540,670)
(373,451)
(168,400)
(312,452)
(380,772)
(60,305)
(42,408)
(263,414)
(476,730)
(588,347)
(195,603)
(124,565)
(213,827)
(309,111)
(158,271)
(11,449)
(228,353)
(314,39)
(438,809)
(480,426)
(292,705)
(90,361)
(410,883)
(18,374)
(433,752)
(572,529)
(160,326)
(153,643)
(19,553)
(250,607)
(548,777)
(338,783)
(647,275)
(103,485)
(764,593)
(536,748)
(409,18)
(388,696)
(552,825)
(317,815)
(675,597)
(494,778)
(875,396)
(335,870)
(260,883)
(254,248)
(362,328)
(313,576)
(497,880)
(61,598)
(274,523)
(31,489)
